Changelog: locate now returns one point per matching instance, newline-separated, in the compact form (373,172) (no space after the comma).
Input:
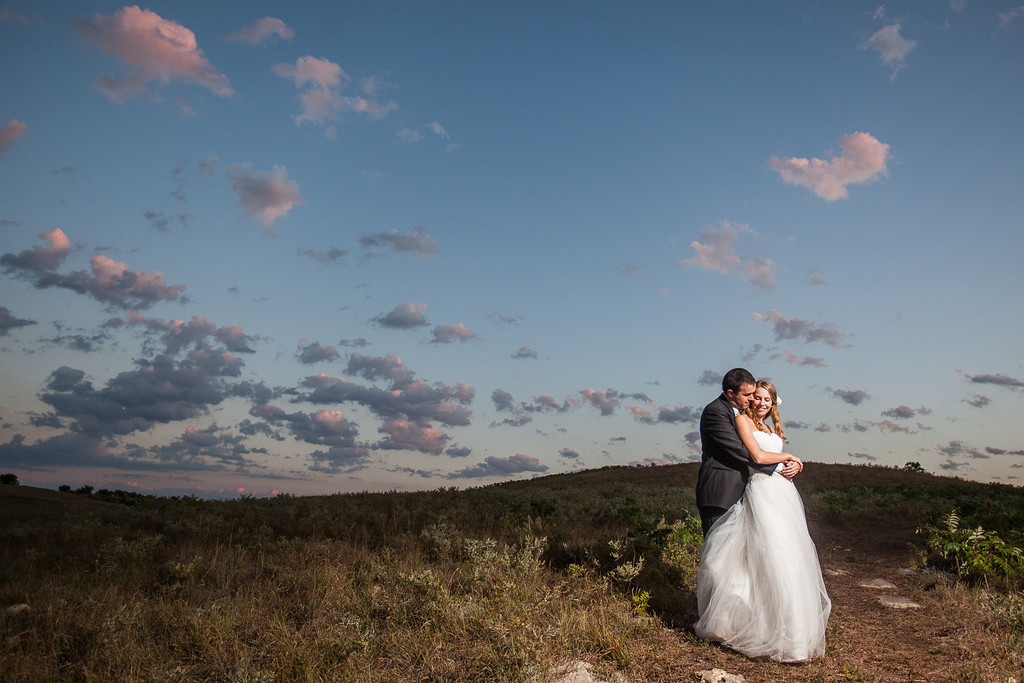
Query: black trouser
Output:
(708,515)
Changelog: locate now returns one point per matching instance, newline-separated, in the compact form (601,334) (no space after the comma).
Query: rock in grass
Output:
(897,602)
(720,676)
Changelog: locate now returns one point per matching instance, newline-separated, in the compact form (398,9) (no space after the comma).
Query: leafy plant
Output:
(974,552)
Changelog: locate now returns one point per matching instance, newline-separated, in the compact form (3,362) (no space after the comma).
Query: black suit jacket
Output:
(725,462)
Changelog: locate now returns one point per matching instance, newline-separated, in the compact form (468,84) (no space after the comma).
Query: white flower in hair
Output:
(778,401)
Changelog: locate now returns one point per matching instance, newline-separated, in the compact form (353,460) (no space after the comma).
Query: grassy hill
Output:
(510,582)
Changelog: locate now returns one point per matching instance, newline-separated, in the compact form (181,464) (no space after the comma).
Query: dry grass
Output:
(502,583)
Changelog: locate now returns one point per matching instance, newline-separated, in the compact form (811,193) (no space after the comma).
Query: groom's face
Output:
(741,399)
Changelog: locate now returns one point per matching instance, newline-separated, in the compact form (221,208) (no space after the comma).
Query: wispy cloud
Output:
(417,241)
(800,328)
(793,359)
(890,46)
(320,83)
(864,158)
(998,379)
(154,50)
(716,250)
(261,30)
(1011,15)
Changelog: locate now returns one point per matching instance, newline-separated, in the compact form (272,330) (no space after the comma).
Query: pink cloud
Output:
(716,250)
(448,332)
(38,260)
(261,30)
(271,195)
(891,46)
(406,433)
(864,158)
(154,49)
(9,133)
(113,282)
(794,359)
(601,400)
(322,100)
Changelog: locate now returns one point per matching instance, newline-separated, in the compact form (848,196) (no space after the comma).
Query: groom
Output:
(725,462)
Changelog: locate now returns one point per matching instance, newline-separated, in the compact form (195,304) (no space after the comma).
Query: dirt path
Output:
(938,641)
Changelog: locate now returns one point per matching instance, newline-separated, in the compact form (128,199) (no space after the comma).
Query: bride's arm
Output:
(745,427)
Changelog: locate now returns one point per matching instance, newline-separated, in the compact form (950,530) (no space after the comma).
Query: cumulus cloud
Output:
(261,30)
(109,281)
(799,328)
(153,50)
(403,317)
(525,353)
(314,352)
(890,46)
(406,408)
(716,251)
(448,332)
(417,241)
(413,135)
(9,133)
(38,260)
(501,467)
(178,334)
(270,195)
(8,321)
(863,159)
(900,412)
(569,454)
(852,396)
(320,83)
(710,378)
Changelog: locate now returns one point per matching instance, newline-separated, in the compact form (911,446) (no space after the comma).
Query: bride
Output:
(759,585)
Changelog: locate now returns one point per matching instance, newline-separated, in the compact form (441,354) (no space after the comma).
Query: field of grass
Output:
(500,583)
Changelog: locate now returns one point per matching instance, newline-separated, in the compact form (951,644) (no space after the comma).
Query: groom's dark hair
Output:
(736,378)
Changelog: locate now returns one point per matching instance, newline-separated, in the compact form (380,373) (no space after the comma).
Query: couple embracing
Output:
(759,585)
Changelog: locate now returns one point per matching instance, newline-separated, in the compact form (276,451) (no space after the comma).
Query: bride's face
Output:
(762,402)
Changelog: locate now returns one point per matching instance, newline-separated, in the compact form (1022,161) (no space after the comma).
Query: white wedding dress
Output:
(759,585)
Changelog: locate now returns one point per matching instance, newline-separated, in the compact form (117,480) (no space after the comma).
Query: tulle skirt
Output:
(759,585)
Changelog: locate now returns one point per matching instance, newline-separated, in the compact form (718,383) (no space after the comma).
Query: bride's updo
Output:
(773,413)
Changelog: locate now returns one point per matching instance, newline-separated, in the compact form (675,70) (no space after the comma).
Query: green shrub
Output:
(974,553)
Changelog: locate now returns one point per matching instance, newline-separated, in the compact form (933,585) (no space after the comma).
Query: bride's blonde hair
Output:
(773,413)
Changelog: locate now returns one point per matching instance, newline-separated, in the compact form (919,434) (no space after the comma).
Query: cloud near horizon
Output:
(863,159)
(154,50)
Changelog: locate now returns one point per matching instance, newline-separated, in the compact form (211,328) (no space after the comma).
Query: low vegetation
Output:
(500,583)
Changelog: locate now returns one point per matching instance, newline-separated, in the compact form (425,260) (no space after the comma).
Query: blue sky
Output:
(274,247)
